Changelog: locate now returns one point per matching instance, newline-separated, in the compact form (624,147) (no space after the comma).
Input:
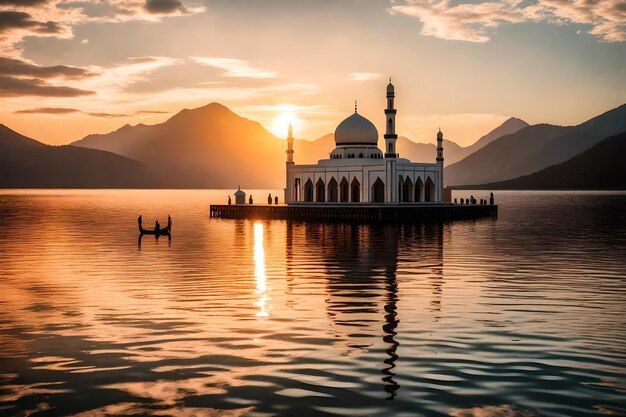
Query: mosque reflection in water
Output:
(360,263)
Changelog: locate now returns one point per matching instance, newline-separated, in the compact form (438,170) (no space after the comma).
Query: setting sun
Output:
(280,124)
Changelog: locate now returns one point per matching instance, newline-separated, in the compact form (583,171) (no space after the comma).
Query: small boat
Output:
(166,231)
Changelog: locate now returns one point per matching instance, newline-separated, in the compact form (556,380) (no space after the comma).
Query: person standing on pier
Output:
(250,199)
(229,201)
(269,198)
(276,200)
(491,199)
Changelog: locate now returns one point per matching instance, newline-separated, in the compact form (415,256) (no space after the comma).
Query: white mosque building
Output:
(359,172)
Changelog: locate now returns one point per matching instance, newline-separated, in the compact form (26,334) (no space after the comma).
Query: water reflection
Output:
(508,317)
(259,272)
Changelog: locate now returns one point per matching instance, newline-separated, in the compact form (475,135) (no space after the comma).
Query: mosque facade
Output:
(359,172)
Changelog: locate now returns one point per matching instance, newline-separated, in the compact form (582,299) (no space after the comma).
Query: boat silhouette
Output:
(166,231)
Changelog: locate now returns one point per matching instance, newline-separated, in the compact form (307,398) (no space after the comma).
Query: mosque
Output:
(357,171)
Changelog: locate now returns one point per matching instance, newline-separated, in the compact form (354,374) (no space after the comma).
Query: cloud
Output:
(57,18)
(13,20)
(66,110)
(474,22)
(27,3)
(15,87)
(164,6)
(235,67)
(364,76)
(48,110)
(10,66)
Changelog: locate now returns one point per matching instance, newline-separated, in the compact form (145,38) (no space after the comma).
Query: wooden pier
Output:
(357,213)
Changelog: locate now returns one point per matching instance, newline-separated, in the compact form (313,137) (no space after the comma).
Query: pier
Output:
(358,213)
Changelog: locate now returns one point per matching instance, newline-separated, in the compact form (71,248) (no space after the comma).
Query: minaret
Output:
(390,117)
(290,145)
(289,197)
(440,158)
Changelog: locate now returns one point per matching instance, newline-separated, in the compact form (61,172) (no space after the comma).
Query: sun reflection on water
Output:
(259,272)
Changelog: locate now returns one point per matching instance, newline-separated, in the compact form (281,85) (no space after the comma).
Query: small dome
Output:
(239,192)
(356,129)
(439,134)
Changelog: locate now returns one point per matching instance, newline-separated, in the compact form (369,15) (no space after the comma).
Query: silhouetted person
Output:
(269,198)
(157,228)
(276,200)
(491,199)
(472,199)
(250,199)
(229,202)
(169,222)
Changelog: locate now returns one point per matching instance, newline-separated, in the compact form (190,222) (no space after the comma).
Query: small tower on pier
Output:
(289,163)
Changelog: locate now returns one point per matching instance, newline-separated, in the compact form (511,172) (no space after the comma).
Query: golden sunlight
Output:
(280,124)
(259,271)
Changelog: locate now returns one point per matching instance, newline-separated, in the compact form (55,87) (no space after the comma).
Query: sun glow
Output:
(280,124)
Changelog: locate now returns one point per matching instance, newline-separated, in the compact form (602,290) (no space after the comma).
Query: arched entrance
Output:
(419,188)
(320,191)
(400,187)
(332,190)
(308,191)
(344,190)
(355,191)
(407,191)
(429,190)
(378,191)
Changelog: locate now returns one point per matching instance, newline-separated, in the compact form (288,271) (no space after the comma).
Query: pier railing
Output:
(322,212)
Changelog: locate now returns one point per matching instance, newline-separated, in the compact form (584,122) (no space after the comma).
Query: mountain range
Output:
(212,147)
(534,148)
(26,163)
(599,168)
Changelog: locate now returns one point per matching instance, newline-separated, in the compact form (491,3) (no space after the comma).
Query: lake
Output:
(520,316)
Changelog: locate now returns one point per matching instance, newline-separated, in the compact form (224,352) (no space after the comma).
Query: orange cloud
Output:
(473,21)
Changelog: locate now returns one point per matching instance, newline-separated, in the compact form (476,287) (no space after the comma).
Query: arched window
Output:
(419,186)
(390,148)
(360,155)
(332,190)
(321,191)
(355,194)
(407,191)
(308,190)
(389,125)
(429,190)
(378,191)
(343,190)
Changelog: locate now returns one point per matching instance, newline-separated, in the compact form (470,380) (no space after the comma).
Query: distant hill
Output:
(208,146)
(600,167)
(26,163)
(426,152)
(533,148)
(510,125)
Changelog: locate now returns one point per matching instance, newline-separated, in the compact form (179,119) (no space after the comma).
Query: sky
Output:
(69,68)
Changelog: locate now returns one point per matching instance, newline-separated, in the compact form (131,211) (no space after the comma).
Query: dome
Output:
(356,129)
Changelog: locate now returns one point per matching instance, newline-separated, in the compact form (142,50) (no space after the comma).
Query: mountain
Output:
(26,163)
(510,125)
(205,147)
(424,152)
(533,148)
(601,167)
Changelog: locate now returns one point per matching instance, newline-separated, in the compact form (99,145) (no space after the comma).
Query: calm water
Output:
(515,317)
